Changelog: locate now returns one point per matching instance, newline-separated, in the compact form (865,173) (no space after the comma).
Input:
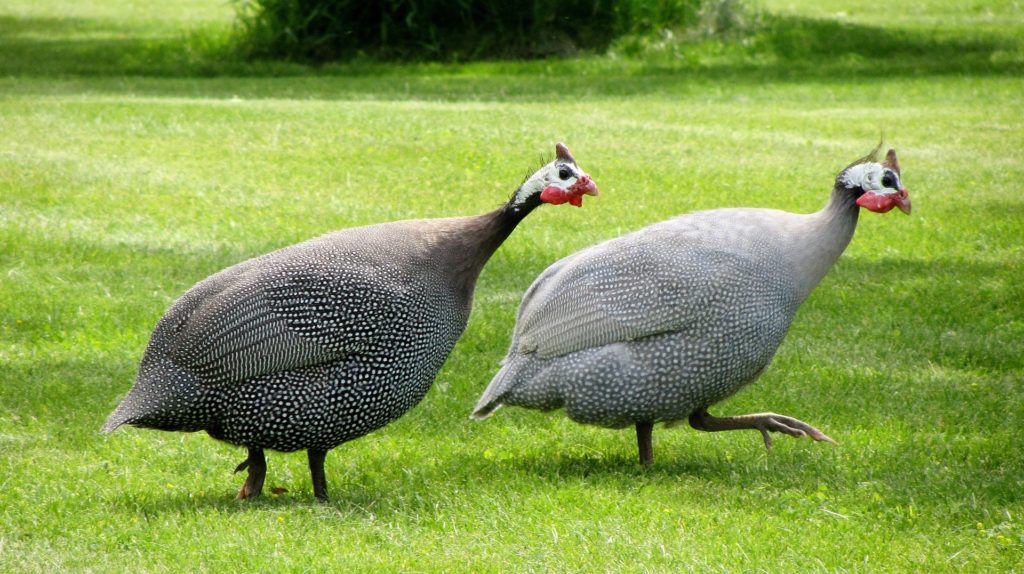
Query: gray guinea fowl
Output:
(662,323)
(322,342)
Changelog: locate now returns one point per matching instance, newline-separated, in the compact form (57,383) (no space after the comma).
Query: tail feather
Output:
(115,420)
(165,397)
(525,381)
(490,401)
(128,410)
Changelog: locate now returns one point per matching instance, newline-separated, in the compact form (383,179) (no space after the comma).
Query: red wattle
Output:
(554,195)
(875,202)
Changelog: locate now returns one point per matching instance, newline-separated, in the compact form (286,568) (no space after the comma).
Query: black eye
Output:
(564,173)
(888,180)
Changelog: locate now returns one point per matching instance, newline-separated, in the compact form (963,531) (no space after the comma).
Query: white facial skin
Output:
(549,175)
(873,177)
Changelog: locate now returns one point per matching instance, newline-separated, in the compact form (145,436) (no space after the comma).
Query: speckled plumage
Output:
(651,325)
(258,344)
(659,324)
(324,341)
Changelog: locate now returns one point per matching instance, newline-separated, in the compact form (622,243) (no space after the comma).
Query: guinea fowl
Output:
(325,341)
(662,323)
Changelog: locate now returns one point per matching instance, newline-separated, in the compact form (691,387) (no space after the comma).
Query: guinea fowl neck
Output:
(508,216)
(825,236)
(480,236)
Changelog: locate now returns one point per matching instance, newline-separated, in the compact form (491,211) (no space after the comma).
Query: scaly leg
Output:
(316,469)
(643,442)
(764,422)
(257,465)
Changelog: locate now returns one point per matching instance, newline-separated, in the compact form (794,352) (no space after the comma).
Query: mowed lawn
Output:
(134,164)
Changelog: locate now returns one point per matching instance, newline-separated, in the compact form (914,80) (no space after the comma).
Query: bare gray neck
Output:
(822,237)
(467,246)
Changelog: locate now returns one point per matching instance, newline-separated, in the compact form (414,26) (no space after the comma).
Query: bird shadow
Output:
(371,495)
(745,469)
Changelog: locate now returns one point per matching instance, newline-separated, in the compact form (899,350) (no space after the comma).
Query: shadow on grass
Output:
(782,49)
(384,491)
(930,469)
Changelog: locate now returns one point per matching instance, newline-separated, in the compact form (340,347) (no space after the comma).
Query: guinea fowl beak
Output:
(584,186)
(902,200)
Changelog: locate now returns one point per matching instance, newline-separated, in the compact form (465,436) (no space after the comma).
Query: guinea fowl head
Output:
(561,181)
(877,184)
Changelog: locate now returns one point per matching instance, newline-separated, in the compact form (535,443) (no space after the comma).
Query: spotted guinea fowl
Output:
(322,342)
(662,323)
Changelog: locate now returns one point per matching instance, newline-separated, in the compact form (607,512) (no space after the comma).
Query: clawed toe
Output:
(257,465)
(788,425)
(245,493)
(764,422)
(772,424)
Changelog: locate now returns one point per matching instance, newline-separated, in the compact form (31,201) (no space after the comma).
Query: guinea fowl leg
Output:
(257,465)
(316,469)
(764,422)
(643,442)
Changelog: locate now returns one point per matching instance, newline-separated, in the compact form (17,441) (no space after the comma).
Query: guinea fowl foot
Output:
(257,465)
(764,422)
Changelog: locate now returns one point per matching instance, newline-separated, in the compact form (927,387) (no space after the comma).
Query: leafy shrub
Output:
(322,30)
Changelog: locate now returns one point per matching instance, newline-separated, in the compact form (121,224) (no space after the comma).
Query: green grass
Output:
(133,164)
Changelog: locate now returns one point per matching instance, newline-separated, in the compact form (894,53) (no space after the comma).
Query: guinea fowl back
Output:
(695,296)
(316,302)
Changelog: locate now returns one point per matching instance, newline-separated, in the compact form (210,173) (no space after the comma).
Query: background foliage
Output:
(322,30)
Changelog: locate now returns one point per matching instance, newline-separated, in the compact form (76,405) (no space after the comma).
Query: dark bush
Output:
(323,30)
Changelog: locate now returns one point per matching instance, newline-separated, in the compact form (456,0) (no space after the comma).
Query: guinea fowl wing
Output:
(625,289)
(272,318)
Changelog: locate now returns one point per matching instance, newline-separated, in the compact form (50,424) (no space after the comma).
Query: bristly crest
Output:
(870,158)
(541,163)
